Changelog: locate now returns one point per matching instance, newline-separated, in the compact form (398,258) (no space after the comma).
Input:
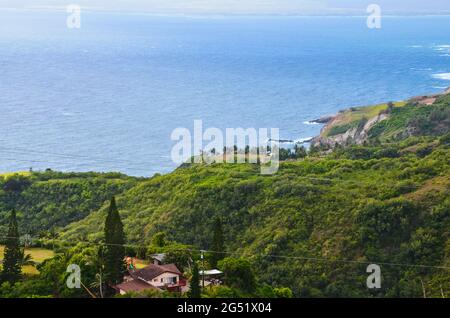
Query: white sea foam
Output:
(421,69)
(442,48)
(310,123)
(440,87)
(302,140)
(442,76)
(296,141)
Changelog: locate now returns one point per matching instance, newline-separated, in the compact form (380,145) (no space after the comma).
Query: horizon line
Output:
(390,13)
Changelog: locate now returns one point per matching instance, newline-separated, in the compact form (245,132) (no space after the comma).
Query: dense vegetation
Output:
(46,201)
(416,119)
(313,227)
(377,204)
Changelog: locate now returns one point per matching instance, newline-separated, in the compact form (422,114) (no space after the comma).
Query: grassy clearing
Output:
(140,263)
(10,174)
(352,116)
(371,111)
(38,254)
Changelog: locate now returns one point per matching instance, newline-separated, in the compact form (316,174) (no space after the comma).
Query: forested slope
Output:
(47,201)
(379,209)
(314,226)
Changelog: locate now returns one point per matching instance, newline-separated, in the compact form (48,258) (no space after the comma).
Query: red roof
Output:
(151,271)
(135,285)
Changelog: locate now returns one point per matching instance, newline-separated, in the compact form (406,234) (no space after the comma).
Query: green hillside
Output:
(313,227)
(422,116)
(51,200)
(415,119)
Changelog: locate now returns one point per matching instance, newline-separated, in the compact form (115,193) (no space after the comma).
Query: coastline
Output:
(372,113)
(325,119)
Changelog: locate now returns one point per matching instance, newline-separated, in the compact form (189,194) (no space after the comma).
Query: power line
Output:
(318,259)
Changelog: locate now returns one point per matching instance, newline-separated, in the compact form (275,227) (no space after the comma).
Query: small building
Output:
(158,275)
(158,259)
(153,276)
(211,277)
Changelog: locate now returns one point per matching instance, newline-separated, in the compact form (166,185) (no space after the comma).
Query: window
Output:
(172,280)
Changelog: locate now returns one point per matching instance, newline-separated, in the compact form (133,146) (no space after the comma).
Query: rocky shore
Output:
(353,124)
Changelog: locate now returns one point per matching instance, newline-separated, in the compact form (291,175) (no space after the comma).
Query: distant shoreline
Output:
(328,121)
(212,14)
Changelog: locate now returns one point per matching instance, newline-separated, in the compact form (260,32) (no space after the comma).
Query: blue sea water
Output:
(106,97)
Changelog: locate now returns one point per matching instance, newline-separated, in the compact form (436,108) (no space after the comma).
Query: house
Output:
(158,275)
(153,276)
(158,259)
(134,285)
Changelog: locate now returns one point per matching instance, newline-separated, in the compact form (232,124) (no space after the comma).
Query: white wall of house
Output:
(164,279)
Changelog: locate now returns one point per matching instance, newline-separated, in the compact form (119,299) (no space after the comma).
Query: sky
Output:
(293,7)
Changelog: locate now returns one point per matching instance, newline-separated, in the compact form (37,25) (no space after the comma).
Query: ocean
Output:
(107,96)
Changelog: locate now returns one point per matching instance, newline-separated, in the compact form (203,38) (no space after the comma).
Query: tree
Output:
(238,273)
(16,184)
(217,243)
(98,262)
(195,283)
(300,151)
(159,239)
(390,107)
(115,250)
(13,254)
(178,254)
(54,275)
(26,259)
(221,291)
(267,291)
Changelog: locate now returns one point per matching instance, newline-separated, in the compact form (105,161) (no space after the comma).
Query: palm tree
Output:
(27,259)
(53,236)
(98,283)
(98,262)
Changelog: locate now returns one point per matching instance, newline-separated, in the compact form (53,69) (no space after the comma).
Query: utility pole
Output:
(101,284)
(202,256)
(101,272)
(423,289)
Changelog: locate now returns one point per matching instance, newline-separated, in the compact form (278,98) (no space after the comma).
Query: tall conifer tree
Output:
(195,283)
(115,250)
(217,243)
(11,271)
